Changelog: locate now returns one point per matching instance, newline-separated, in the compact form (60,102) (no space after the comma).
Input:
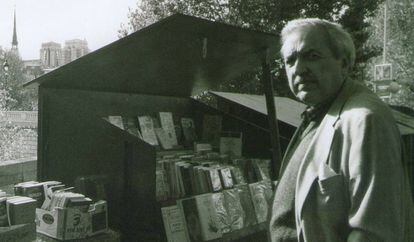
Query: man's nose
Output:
(301,66)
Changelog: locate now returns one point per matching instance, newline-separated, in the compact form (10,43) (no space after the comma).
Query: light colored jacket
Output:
(351,185)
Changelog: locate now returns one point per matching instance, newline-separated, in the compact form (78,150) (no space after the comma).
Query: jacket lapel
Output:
(319,149)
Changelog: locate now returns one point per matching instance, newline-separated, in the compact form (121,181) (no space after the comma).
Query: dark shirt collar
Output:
(317,112)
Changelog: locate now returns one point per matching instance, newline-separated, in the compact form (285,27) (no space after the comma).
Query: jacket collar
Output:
(320,147)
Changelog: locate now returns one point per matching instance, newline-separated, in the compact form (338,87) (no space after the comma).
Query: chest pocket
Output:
(331,198)
(328,180)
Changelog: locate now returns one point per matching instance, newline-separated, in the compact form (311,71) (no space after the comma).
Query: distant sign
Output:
(383,72)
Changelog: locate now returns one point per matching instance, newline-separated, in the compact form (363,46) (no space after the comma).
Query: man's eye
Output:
(314,56)
(290,61)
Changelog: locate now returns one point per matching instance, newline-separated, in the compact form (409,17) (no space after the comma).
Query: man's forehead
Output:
(304,39)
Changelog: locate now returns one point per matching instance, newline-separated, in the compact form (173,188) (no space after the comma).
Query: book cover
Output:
(163,139)
(234,209)
(261,193)
(188,127)
(208,217)
(117,121)
(246,204)
(147,130)
(174,224)
(231,144)
(226,177)
(237,174)
(212,129)
(186,170)
(161,186)
(131,126)
(214,179)
(21,210)
(202,147)
(191,216)
(221,211)
(4,221)
(167,123)
(35,191)
(262,168)
(246,166)
(202,180)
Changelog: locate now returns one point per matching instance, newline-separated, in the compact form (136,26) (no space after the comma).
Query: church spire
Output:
(14,42)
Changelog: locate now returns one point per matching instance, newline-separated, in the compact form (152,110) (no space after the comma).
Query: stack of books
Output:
(162,130)
(195,173)
(213,196)
(21,210)
(64,214)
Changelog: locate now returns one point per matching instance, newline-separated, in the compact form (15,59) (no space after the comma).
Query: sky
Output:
(40,21)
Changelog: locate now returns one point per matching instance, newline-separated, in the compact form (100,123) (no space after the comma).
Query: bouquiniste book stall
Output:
(114,112)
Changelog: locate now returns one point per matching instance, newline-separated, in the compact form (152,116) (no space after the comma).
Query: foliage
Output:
(12,97)
(268,16)
(400,50)
(16,97)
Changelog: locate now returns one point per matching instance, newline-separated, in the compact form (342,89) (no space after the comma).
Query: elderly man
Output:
(342,176)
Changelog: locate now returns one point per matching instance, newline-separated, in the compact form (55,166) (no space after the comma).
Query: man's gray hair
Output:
(340,40)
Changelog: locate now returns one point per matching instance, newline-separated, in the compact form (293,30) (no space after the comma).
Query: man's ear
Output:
(345,66)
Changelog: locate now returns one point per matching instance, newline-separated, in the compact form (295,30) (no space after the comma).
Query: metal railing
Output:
(18,118)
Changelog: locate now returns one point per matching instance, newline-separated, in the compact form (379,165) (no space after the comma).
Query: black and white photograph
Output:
(206,120)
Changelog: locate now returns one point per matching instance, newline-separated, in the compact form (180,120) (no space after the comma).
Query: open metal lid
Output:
(177,56)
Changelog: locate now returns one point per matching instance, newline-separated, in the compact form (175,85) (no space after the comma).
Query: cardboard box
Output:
(72,223)
(18,233)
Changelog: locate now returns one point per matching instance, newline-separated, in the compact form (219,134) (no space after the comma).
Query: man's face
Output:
(313,72)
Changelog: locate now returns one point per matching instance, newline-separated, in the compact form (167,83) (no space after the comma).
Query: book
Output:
(261,193)
(231,144)
(208,217)
(49,193)
(167,123)
(35,191)
(200,217)
(246,166)
(202,147)
(191,216)
(21,210)
(131,126)
(237,174)
(226,177)
(80,203)
(262,168)
(18,187)
(4,220)
(174,224)
(147,130)
(61,199)
(2,194)
(246,203)
(188,127)
(213,178)
(212,129)
(221,211)
(201,180)
(161,185)
(234,209)
(163,139)
(117,121)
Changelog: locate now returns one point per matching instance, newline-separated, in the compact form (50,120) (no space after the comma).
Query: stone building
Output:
(51,55)
(74,49)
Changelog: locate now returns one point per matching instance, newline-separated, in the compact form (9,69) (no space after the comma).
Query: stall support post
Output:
(271,116)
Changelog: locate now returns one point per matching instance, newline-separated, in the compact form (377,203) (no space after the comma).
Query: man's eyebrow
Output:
(309,50)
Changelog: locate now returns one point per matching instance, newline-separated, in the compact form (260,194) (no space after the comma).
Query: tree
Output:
(399,43)
(11,82)
(12,97)
(268,16)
